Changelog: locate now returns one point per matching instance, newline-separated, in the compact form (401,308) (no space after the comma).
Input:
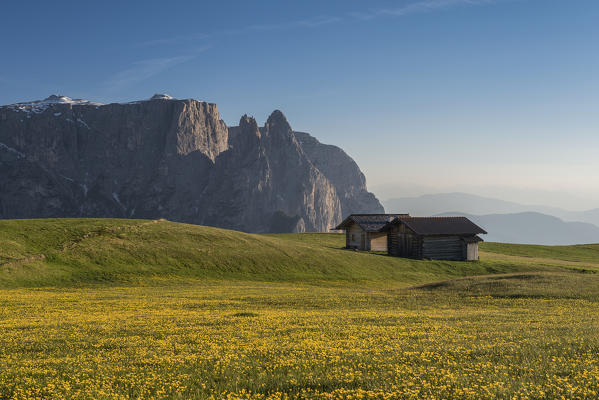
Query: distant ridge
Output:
(533,228)
(431,204)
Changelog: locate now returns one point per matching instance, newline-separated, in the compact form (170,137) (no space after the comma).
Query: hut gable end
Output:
(362,231)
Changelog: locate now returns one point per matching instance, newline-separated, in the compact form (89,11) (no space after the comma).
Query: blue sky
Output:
(494,97)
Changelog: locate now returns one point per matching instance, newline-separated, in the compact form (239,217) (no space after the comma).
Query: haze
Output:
(491,97)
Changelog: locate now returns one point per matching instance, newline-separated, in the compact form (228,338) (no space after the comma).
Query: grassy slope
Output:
(70,252)
(584,253)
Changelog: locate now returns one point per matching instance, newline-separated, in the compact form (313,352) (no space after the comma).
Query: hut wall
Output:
(353,237)
(443,248)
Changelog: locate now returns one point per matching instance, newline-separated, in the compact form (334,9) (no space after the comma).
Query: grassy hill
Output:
(73,252)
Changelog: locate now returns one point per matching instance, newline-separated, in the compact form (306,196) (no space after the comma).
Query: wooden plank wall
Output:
(357,233)
(402,243)
(443,248)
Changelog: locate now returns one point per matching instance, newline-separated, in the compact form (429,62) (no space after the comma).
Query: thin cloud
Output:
(318,21)
(421,6)
(174,39)
(306,23)
(144,69)
(417,7)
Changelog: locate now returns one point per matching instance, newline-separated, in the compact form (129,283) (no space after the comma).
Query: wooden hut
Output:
(362,231)
(437,238)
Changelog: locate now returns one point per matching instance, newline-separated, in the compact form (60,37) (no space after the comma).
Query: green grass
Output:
(578,253)
(74,252)
(543,285)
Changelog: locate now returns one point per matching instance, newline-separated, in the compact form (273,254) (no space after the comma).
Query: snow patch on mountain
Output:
(82,122)
(39,106)
(164,96)
(11,150)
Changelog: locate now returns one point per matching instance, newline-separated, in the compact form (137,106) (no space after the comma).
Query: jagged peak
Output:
(277,120)
(277,115)
(248,126)
(249,123)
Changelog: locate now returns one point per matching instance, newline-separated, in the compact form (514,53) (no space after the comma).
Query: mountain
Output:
(532,228)
(590,216)
(343,172)
(431,204)
(173,159)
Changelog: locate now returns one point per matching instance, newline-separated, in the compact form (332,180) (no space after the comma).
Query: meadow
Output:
(110,309)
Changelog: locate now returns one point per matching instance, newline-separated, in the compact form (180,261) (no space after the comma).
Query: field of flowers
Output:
(291,341)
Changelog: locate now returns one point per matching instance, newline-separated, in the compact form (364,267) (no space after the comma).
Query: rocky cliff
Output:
(168,158)
(343,172)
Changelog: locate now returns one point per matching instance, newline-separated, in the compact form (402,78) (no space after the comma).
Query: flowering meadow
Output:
(134,309)
(243,340)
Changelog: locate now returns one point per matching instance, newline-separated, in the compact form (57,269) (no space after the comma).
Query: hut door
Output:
(472,252)
(405,246)
(363,241)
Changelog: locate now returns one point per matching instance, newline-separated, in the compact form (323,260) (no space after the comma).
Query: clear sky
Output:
(493,97)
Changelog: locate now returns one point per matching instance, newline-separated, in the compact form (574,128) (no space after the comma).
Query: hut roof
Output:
(368,222)
(473,239)
(437,225)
